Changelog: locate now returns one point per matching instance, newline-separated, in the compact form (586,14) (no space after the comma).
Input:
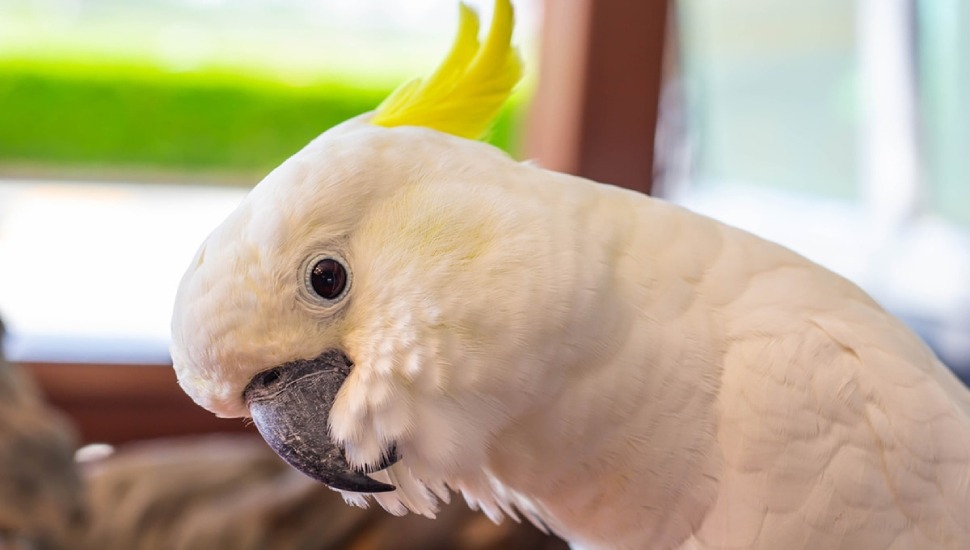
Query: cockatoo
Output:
(405,311)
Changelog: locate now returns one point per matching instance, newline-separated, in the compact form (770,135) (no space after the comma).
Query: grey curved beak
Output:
(290,405)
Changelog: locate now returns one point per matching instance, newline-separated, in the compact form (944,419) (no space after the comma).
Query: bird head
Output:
(349,304)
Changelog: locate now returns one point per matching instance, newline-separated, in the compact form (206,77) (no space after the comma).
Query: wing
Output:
(839,428)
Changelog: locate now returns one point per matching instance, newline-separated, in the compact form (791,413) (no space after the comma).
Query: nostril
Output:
(264,384)
(267,378)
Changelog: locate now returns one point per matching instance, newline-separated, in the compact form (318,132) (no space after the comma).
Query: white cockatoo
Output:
(404,311)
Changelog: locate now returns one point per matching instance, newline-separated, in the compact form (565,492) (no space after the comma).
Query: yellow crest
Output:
(464,94)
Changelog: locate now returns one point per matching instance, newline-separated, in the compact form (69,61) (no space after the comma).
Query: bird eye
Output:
(327,278)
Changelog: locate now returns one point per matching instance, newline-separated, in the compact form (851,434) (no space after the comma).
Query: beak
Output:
(290,405)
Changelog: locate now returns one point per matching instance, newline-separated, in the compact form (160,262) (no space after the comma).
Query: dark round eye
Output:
(328,278)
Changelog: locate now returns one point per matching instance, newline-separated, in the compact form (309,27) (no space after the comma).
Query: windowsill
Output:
(88,271)
(120,403)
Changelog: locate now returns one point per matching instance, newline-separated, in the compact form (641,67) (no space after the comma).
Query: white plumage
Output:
(620,370)
(626,372)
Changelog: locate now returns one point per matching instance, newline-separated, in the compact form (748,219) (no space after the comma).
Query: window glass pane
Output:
(770,89)
(944,40)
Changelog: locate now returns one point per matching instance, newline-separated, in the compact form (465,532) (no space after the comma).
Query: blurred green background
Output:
(185,91)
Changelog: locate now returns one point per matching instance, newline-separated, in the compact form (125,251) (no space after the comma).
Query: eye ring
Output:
(327,278)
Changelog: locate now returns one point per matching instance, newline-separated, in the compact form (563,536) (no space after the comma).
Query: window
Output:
(839,129)
(208,95)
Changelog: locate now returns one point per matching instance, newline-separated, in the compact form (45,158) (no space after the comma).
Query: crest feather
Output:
(464,94)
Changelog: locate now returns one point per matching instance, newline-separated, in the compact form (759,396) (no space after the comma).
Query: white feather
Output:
(622,371)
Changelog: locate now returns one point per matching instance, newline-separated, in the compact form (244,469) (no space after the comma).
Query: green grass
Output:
(158,90)
(140,117)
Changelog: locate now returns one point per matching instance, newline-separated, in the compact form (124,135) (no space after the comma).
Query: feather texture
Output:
(616,369)
(464,94)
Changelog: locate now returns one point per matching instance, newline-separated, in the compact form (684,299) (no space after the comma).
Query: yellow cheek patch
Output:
(464,94)
(462,242)
(431,222)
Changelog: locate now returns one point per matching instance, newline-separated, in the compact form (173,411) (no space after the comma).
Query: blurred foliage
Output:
(142,117)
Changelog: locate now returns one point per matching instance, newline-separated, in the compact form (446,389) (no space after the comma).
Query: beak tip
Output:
(286,403)
(347,480)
